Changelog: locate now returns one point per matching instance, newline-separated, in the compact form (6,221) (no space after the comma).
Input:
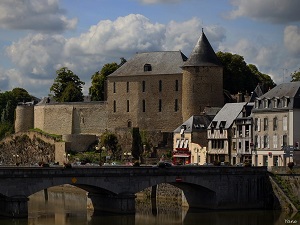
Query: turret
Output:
(202,82)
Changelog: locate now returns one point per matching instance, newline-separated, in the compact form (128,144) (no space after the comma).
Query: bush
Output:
(291,165)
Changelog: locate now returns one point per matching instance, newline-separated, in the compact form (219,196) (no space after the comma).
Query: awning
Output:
(181,156)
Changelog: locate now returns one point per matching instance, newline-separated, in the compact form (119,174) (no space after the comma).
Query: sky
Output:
(38,37)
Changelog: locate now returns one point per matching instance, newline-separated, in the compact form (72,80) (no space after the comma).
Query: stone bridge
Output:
(113,189)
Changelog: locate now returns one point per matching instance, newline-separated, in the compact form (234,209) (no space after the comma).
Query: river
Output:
(71,208)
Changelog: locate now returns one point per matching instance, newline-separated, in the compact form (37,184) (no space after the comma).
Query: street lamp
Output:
(67,157)
(16,158)
(98,149)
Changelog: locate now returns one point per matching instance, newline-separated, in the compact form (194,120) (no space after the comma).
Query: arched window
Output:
(129,123)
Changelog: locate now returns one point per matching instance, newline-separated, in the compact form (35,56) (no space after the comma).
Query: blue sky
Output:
(38,37)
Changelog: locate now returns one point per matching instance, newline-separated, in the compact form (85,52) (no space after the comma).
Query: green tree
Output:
(240,77)
(265,80)
(136,148)
(8,103)
(110,142)
(66,85)
(98,87)
(295,76)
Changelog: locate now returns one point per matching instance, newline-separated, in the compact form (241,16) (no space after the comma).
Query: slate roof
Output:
(162,62)
(194,124)
(256,93)
(284,90)
(203,54)
(227,115)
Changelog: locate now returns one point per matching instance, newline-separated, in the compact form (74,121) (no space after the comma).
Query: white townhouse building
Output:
(276,118)
(220,133)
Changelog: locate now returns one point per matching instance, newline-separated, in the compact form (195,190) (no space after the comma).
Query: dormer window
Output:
(275,102)
(256,103)
(266,103)
(285,101)
(147,67)
(213,126)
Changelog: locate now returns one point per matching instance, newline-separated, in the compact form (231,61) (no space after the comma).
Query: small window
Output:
(144,105)
(266,141)
(147,67)
(127,86)
(266,124)
(160,86)
(115,106)
(129,123)
(114,87)
(176,105)
(275,123)
(143,86)
(176,85)
(127,105)
(285,140)
(159,105)
(285,123)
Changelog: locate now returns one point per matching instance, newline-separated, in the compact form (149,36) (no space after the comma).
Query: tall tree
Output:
(295,76)
(265,80)
(240,77)
(98,87)
(67,86)
(8,103)
(110,141)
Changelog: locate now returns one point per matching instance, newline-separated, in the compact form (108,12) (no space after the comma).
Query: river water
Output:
(72,208)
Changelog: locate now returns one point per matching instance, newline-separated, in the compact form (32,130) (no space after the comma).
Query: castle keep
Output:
(155,91)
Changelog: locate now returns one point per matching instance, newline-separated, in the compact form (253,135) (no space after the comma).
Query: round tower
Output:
(202,81)
(24,118)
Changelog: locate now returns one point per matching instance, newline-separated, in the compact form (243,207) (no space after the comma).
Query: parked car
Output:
(164,164)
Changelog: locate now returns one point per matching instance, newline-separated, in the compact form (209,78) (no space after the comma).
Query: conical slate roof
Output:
(203,54)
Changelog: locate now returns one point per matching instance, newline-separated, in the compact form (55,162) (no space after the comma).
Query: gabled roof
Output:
(165,62)
(256,93)
(227,115)
(194,124)
(203,54)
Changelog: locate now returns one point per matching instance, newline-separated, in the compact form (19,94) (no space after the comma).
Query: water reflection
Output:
(68,208)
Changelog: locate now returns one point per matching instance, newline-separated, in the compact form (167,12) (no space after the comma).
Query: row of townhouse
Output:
(264,131)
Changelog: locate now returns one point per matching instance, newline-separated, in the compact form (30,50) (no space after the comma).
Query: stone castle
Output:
(154,91)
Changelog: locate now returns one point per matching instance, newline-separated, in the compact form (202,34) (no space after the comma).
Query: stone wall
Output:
(201,87)
(148,108)
(71,118)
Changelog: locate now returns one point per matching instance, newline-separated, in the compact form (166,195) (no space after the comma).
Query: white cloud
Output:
(130,33)
(276,11)
(183,36)
(292,39)
(34,15)
(39,56)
